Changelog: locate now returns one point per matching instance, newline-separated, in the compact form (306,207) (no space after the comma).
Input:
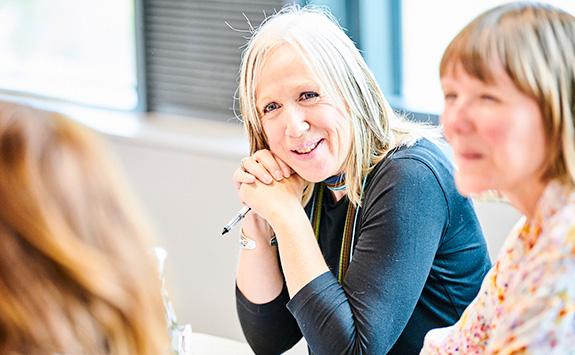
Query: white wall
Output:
(187,191)
(497,219)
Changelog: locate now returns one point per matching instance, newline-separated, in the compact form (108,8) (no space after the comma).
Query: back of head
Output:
(535,44)
(76,275)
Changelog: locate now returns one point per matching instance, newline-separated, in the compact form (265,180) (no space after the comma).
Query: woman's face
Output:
(302,123)
(496,132)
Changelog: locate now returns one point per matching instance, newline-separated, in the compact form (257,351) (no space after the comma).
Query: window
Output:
(183,56)
(376,28)
(78,51)
(403,41)
(428,28)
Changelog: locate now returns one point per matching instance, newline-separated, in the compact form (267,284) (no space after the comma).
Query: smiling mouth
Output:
(308,148)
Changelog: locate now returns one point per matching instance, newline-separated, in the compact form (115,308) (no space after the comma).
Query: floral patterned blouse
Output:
(526,304)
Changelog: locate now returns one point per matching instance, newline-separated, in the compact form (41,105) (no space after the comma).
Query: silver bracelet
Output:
(248,243)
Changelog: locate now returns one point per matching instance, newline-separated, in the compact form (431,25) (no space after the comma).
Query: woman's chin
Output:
(312,176)
(467,187)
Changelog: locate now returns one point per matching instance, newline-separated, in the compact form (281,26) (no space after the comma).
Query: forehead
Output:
(283,66)
(457,76)
(280,56)
(486,71)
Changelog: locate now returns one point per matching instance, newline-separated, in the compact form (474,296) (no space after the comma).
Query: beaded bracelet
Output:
(248,243)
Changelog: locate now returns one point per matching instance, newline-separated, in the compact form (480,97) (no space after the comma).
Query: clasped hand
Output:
(267,184)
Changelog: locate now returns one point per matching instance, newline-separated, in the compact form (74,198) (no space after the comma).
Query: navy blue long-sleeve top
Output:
(418,261)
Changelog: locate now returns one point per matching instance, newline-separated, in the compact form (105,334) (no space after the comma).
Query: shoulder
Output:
(410,174)
(560,224)
(550,264)
(422,162)
(426,152)
(422,172)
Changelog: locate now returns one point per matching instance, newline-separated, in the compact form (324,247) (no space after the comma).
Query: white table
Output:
(206,344)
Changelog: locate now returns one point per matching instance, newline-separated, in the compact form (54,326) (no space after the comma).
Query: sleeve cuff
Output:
(265,309)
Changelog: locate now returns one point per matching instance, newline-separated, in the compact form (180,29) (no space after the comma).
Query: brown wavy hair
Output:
(76,274)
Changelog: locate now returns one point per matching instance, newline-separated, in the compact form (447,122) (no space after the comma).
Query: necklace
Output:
(348,238)
(336,182)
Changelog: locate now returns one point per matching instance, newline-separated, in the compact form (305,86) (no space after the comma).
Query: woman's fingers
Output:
(287,171)
(273,164)
(271,199)
(264,166)
(257,169)
(265,158)
(242,177)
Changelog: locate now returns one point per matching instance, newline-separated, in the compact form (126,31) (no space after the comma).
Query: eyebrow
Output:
(303,87)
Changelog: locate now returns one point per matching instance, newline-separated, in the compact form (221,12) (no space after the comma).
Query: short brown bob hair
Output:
(535,44)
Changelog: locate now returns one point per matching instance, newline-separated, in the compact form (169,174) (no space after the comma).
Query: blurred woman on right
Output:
(509,85)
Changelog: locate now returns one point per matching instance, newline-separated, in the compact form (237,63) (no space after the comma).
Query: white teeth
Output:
(308,148)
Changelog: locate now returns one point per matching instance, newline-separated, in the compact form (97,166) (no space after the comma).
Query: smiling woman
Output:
(289,104)
(374,244)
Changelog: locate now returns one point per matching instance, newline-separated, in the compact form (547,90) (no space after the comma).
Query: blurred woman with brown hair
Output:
(509,84)
(76,274)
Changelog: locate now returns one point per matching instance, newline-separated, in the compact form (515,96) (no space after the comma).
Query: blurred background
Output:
(158,79)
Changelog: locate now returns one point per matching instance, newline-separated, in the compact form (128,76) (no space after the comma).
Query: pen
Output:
(238,217)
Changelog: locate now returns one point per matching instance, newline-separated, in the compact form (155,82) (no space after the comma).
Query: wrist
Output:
(256,228)
(248,243)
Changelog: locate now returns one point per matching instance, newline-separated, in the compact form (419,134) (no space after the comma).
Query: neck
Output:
(525,198)
(338,195)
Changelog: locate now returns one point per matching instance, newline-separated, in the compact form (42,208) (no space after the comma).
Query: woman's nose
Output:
(296,123)
(455,119)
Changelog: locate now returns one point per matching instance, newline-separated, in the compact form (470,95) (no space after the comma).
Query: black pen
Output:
(238,217)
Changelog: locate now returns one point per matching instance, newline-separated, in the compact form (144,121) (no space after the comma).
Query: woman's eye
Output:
(449,96)
(309,95)
(488,97)
(270,107)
